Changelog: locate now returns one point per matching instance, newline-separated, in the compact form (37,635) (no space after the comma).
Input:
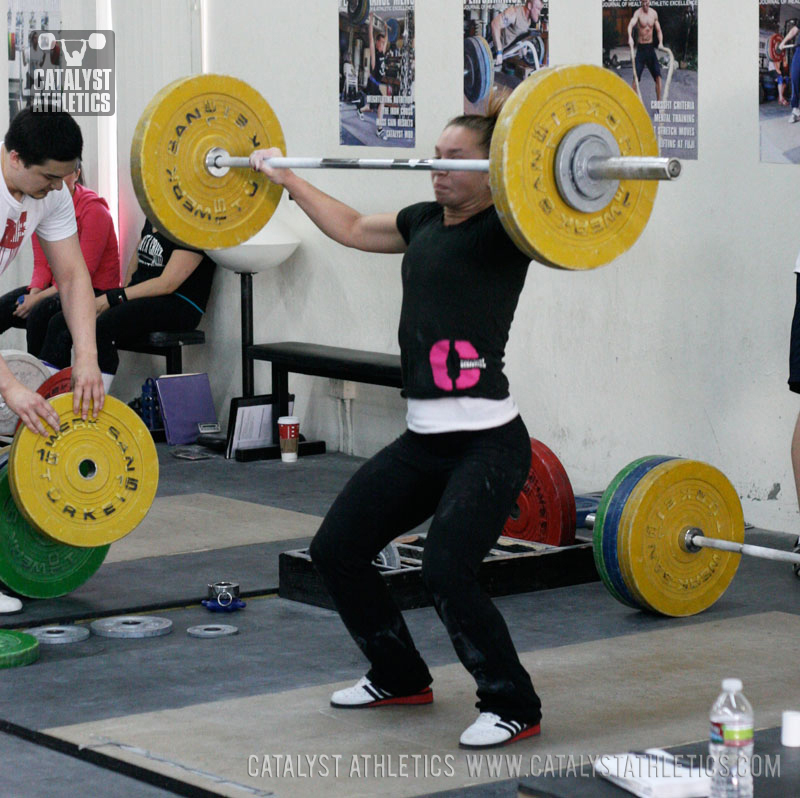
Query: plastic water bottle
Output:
(731,743)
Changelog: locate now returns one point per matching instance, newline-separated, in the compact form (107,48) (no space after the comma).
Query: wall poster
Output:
(778,81)
(503,44)
(659,39)
(24,17)
(376,73)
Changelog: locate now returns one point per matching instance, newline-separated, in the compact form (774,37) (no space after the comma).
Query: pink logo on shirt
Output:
(470,364)
(15,232)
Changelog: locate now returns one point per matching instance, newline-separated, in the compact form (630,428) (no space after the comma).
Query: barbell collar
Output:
(579,147)
(633,168)
(695,540)
(599,168)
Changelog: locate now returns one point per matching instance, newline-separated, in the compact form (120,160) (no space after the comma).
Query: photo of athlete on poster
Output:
(504,43)
(779,81)
(376,73)
(652,45)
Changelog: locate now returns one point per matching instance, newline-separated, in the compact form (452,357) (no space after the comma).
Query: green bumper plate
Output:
(17,648)
(34,565)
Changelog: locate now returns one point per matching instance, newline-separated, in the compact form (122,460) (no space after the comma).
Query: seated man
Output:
(166,289)
(33,306)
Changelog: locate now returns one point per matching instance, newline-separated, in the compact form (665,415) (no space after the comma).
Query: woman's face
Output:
(458,188)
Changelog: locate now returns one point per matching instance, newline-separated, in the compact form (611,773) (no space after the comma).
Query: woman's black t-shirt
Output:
(153,255)
(461,284)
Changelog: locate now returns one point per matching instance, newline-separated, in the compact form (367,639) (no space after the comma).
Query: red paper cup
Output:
(289,436)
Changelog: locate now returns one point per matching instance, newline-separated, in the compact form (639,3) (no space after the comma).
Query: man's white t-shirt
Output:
(51,218)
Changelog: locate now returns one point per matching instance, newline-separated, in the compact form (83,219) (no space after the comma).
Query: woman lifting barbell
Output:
(466,453)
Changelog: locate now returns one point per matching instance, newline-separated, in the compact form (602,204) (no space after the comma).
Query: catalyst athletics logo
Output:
(72,71)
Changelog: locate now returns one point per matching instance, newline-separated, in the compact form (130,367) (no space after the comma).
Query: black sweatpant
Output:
(36,322)
(468,482)
(120,323)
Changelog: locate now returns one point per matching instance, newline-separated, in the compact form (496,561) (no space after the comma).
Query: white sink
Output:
(269,247)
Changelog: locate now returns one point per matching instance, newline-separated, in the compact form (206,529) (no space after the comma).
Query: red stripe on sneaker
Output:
(423,697)
(531,731)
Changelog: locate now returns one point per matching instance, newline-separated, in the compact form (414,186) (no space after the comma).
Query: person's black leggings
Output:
(125,322)
(468,482)
(36,322)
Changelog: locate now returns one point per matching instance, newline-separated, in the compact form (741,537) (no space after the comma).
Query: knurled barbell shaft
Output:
(421,164)
(696,538)
(599,168)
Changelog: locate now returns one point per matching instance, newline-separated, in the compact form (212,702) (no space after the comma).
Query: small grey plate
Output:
(57,635)
(212,630)
(132,626)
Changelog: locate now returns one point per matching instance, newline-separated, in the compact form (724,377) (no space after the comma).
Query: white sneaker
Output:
(9,604)
(490,730)
(366,694)
(795,117)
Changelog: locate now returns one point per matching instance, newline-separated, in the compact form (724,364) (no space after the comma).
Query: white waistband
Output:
(454,413)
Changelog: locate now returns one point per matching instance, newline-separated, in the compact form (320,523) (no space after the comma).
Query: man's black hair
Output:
(40,136)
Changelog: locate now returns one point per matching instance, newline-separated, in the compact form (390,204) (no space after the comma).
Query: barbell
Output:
(573,164)
(96,40)
(667,535)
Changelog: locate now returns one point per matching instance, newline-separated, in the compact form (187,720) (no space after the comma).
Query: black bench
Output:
(317,360)
(168,344)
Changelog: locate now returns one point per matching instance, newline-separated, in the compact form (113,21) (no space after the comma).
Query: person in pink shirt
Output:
(31,307)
